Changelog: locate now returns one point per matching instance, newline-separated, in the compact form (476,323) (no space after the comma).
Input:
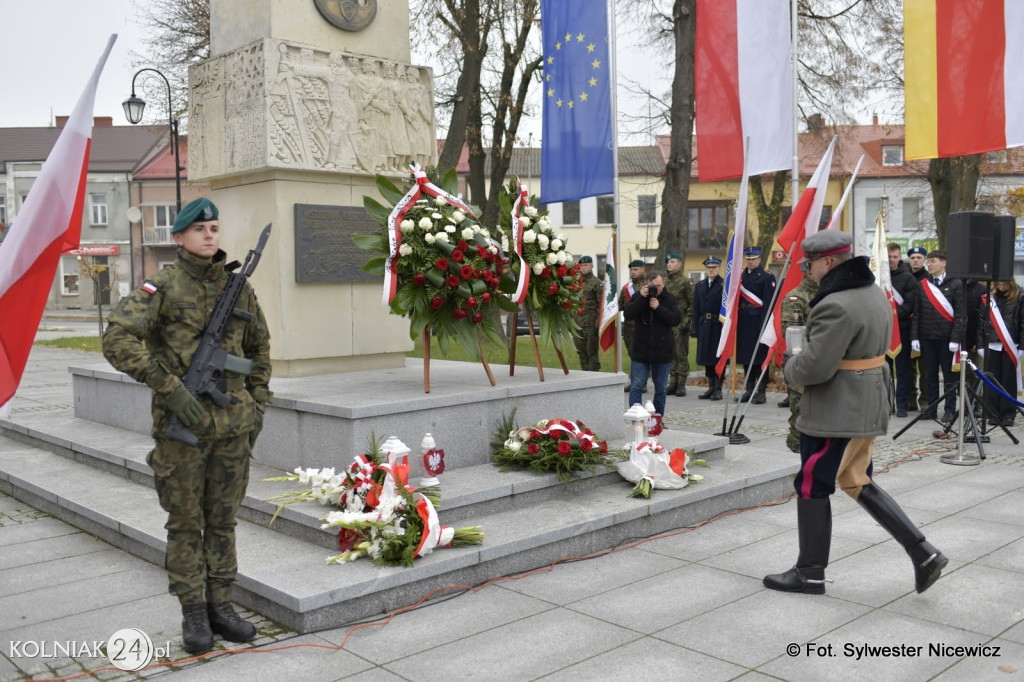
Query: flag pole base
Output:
(735,438)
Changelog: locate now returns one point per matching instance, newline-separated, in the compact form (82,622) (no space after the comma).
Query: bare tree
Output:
(177,36)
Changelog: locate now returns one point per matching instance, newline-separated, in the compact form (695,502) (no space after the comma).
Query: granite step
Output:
(284,576)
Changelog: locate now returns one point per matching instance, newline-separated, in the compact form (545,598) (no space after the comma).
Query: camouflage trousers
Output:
(201,489)
(587,348)
(680,368)
(793,437)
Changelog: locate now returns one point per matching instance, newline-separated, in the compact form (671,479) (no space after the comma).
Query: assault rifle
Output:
(210,360)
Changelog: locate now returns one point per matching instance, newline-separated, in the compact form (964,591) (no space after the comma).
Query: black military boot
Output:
(681,389)
(717,393)
(708,393)
(784,402)
(196,636)
(814,528)
(928,561)
(226,623)
(671,388)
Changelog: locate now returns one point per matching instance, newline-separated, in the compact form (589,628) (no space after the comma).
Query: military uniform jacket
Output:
(850,320)
(706,326)
(652,334)
(750,318)
(154,332)
(679,286)
(906,285)
(929,324)
(592,291)
(796,305)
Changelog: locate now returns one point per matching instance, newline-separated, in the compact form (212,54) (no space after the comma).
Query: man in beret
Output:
(152,336)
(846,403)
(918,377)
(629,290)
(756,289)
(590,318)
(706,325)
(679,286)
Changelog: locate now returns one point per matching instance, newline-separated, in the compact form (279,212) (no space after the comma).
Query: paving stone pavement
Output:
(684,605)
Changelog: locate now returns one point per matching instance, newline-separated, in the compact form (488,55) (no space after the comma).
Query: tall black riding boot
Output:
(711,389)
(814,528)
(748,388)
(928,561)
(717,394)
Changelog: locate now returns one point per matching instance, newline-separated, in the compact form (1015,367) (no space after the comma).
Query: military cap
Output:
(677,256)
(711,260)
(197,210)
(752,252)
(917,250)
(636,263)
(826,243)
(586,259)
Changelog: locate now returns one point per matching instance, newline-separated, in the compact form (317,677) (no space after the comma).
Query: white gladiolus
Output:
(529,237)
(504,243)
(450,229)
(426,223)
(538,268)
(404,250)
(458,216)
(436,216)
(514,446)
(441,236)
(551,258)
(530,211)
(440,201)
(556,244)
(467,233)
(429,238)
(542,241)
(408,224)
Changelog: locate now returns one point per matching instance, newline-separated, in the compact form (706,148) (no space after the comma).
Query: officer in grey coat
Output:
(846,404)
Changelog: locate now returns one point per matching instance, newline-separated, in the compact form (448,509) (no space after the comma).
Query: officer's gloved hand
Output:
(189,410)
(954,347)
(257,425)
(915,346)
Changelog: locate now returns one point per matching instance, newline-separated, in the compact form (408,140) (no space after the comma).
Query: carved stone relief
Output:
(277,104)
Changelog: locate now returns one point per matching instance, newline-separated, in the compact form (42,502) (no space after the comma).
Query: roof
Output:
(113,149)
(525,161)
(160,165)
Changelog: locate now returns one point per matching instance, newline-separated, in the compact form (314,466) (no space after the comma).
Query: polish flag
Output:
(48,225)
(731,287)
(802,223)
(610,300)
(883,278)
(964,83)
(743,78)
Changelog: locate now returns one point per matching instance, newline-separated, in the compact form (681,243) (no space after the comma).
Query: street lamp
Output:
(133,108)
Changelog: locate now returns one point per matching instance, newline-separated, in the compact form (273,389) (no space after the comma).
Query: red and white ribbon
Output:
(629,290)
(362,473)
(938,300)
(522,199)
(434,534)
(566,426)
(1001,331)
(749,296)
(423,186)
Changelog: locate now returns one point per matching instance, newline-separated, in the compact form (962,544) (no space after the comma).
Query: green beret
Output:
(636,263)
(197,210)
(586,259)
(677,256)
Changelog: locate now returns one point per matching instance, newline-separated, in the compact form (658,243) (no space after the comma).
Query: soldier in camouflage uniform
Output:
(152,336)
(629,290)
(586,342)
(796,306)
(679,286)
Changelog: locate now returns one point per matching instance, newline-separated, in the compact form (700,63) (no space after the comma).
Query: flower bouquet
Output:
(378,514)
(548,281)
(551,445)
(440,267)
(650,466)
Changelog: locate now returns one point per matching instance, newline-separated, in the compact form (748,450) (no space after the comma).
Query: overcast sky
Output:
(51,47)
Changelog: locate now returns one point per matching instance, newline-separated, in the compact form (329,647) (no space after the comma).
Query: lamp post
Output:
(133,108)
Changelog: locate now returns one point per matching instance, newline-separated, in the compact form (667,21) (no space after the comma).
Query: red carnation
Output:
(602,447)
(419,279)
(553,289)
(436,302)
(586,445)
(477,318)
(471,302)
(564,448)
(347,539)
(533,448)
(485,297)
(562,271)
(567,305)
(441,263)
(546,272)
(459,313)
(457,256)
(462,246)
(466,272)
(535,434)
(452,281)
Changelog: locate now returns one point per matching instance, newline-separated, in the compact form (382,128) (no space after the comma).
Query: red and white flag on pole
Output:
(49,224)
(743,79)
(883,278)
(609,300)
(802,223)
(731,287)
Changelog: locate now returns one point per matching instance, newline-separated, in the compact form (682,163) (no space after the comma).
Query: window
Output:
(647,209)
(826,214)
(69,275)
(709,225)
(99,208)
(998,156)
(571,212)
(892,155)
(871,210)
(911,213)
(163,220)
(606,210)
(165,215)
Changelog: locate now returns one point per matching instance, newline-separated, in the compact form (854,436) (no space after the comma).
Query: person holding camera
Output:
(655,313)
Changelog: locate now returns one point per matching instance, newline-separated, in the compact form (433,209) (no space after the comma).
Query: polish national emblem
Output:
(433,462)
(350,15)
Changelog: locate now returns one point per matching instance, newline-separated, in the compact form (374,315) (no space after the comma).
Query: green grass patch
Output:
(89,343)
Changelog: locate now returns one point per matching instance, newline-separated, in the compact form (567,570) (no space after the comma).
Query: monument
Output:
(301,103)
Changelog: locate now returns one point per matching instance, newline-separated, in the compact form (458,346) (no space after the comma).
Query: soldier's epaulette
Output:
(149,287)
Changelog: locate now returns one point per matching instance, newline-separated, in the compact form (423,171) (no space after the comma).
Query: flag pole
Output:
(613,87)
(795,173)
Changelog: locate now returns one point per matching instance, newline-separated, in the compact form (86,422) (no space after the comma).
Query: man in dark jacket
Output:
(937,329)
(846,403)
(756,290)
(904,289)
(706,325)
(655,313)
(918,377)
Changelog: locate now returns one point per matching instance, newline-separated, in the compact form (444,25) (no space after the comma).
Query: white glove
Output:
(915,346)
(954,347)
(981,352)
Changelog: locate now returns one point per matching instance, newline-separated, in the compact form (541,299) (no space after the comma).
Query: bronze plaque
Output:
(324,250)
(350,15)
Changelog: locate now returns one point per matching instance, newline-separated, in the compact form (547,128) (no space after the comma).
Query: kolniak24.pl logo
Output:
(127,649)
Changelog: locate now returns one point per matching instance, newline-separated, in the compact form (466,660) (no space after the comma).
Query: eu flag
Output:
(576,154)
